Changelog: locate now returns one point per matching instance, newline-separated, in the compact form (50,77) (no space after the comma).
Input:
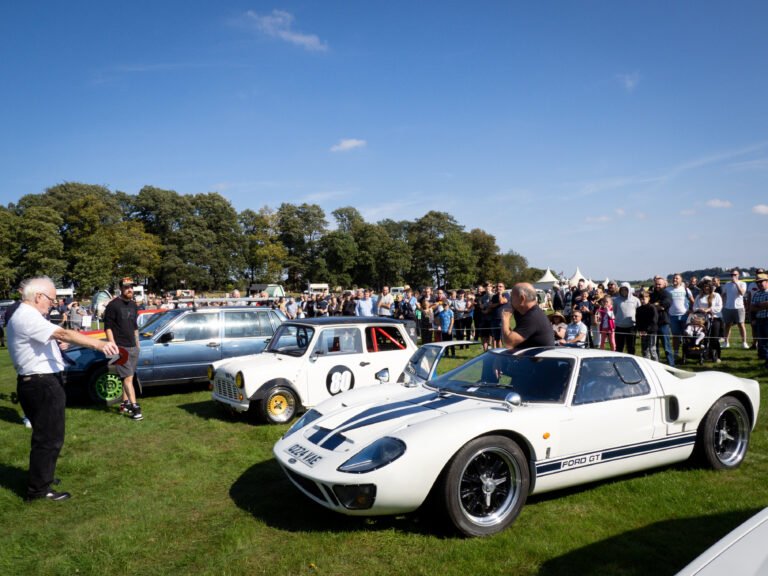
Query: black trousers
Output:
(43,400)
(625,339)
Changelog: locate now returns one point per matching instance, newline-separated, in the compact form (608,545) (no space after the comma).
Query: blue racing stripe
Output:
(407,410)
(617,453)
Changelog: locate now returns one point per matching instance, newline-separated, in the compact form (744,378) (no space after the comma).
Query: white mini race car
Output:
(308,361)
(482,437)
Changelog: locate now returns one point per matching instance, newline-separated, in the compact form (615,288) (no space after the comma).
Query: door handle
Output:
(364,363)
(213,344)
(643,408)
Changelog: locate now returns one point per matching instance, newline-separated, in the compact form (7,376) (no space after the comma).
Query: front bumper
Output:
(226,392)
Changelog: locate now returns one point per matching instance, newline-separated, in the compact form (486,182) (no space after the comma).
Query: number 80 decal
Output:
(339,379)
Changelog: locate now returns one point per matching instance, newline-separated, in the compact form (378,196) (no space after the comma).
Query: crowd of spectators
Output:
(663,316)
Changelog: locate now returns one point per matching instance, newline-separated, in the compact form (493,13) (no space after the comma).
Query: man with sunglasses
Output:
(33,343)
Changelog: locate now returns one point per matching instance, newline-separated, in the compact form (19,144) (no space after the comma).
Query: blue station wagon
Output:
(176,347)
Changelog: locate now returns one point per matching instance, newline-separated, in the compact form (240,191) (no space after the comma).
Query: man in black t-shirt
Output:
(121,328)
(531,325)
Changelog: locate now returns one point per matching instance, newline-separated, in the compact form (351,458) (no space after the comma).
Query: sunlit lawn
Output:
(190,491)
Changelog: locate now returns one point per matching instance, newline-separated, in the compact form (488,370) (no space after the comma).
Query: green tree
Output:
(299,229)
(264,254)
(486,255)
(9,247)
(339,254)
(41,249)
(427,237)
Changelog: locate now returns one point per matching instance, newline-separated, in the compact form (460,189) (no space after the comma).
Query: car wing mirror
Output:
(165,338)
(383,375)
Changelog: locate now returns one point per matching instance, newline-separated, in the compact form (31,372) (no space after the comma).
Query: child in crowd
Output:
(647,324)
(695,330)
(607,322)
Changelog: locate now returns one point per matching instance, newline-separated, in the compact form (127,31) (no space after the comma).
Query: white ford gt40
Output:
(484,436)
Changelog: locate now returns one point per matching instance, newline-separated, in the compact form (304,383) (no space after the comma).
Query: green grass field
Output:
(191,491)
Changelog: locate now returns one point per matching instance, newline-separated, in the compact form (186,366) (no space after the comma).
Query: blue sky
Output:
(628,139)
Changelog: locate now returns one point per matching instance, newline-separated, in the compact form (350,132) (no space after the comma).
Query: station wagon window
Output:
(383,339)
(602,379)
(196,327)
(339,341)
(246,324)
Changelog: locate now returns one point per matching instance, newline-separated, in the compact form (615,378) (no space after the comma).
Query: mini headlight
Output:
(305,420)
(374,456)
(239,380)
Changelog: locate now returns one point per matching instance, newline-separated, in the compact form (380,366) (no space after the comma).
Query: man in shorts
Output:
(733,308)
(121,328)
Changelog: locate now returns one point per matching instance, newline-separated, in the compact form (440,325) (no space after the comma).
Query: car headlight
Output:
(305,420)
(239,380)
(374,456)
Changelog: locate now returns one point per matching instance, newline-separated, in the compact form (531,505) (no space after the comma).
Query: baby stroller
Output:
(696,338)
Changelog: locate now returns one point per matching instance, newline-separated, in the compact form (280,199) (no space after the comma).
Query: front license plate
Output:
(305,455)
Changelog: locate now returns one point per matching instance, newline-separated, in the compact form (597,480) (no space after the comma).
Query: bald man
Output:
(532,328)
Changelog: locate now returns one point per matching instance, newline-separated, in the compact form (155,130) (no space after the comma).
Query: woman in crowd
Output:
(710,303)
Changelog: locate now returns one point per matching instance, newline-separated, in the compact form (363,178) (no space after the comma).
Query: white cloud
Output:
(279,24)
(629,81)
(348,144)
(717,203)
(761,209)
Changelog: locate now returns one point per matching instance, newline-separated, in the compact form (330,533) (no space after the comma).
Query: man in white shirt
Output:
(733,307)
(33,343)
(384,303)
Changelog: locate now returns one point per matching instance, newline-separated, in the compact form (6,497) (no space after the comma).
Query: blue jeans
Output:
(677,324)
(665,338)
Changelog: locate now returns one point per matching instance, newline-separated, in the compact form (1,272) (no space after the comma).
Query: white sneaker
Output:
(745,345)
(26,422)
(726,345)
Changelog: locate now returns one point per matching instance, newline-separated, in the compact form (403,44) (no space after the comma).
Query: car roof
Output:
(346,321)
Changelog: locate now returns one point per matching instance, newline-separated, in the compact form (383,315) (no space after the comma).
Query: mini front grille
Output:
(226,389)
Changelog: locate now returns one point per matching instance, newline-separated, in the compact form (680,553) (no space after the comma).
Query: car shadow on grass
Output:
(265,492)
(659,548)
(207,410)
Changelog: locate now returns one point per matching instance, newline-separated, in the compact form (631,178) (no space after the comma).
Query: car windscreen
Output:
(291,339)
(493,375)
(420,364)
(158,322)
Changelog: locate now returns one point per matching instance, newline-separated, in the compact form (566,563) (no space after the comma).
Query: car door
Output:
(612,409)
(245,332)
(184,351)
(337,362)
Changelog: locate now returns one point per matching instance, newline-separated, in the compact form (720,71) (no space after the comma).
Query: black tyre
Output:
(724,435)
(279,405)
(104,387)
(485,485)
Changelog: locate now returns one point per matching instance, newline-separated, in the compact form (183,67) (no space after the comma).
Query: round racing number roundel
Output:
(339,379)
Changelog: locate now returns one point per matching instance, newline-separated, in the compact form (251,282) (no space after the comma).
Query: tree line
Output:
(88,236)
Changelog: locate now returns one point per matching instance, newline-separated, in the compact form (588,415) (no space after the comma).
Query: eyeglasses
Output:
(51,300)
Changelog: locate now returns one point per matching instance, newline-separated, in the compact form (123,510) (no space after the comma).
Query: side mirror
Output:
(383,375)
(165,338)
(512,400)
